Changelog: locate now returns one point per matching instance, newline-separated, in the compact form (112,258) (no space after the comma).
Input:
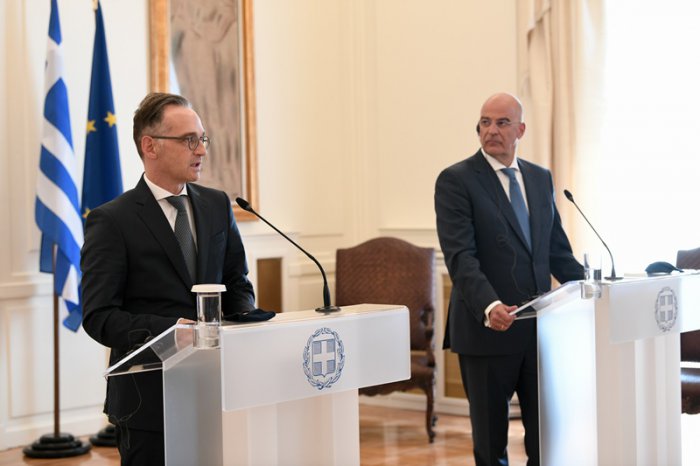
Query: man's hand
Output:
(184,336)
(500,319)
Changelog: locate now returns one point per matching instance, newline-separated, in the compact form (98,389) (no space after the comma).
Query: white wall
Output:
(434,67)
(360,104)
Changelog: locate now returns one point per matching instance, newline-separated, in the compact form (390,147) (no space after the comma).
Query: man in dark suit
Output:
(137,279)
(501,247)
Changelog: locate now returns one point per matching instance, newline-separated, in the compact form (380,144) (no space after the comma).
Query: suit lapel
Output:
(535,200)
(202,214)
(152,216)
(492,185)
(489,181)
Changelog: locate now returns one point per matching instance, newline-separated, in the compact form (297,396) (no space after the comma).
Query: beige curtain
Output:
(560,58)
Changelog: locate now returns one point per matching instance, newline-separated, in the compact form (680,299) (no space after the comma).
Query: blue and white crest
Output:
(666,309)
(324,358)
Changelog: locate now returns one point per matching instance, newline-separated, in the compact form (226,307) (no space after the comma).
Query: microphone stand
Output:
(326,293)
(612,276)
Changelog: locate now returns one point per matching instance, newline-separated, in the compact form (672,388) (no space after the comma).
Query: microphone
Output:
(326,293)
(612,276)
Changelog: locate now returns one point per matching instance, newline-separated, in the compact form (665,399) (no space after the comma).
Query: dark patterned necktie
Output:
(183,233)
(518,202)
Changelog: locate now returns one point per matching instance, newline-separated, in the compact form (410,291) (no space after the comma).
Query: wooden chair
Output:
(392,271)
(690,346)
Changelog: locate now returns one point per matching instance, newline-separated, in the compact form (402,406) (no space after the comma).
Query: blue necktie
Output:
(518,203)
(183,233)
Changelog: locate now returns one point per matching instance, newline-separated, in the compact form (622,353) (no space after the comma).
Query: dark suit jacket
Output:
(486,254)
(135,284)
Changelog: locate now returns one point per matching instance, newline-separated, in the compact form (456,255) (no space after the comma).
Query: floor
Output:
(387,437)
(391,437)
(397,437)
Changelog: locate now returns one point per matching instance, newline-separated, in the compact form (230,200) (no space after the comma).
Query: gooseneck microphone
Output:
(612,276)
(326,293)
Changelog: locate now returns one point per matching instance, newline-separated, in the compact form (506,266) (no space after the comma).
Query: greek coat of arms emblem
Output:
(324,358)
(666,309)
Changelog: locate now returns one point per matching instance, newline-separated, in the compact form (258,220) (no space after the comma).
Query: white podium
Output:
(280,392)
(609,371)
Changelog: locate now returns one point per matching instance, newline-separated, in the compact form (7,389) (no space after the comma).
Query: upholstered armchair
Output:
(690,346)
(392,271)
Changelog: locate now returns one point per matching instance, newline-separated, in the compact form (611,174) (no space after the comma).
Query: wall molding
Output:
(30,287)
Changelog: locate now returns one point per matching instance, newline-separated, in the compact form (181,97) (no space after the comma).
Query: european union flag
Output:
(102,176)
(56,208)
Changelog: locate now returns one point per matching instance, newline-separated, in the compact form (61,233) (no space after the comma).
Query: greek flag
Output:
(57,208)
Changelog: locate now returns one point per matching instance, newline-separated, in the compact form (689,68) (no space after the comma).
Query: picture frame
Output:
(204,50)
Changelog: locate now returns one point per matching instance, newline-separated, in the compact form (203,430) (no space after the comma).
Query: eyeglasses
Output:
(500,123)
(192,141)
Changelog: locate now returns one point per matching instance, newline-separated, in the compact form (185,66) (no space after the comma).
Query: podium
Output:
(609,370)
(280,392)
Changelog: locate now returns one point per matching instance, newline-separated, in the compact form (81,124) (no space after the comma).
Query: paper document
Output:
(557,295)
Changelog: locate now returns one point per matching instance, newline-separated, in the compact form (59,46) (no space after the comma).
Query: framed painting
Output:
(203,50)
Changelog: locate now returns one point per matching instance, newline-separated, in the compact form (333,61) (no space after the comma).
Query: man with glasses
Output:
(502,239)
(145,250)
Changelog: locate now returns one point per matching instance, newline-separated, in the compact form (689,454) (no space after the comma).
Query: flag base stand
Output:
(56,446)
(107,437)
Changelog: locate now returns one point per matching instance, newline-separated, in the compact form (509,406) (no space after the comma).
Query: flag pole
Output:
(57,215)
(101,181)
(56,445)
(56,358)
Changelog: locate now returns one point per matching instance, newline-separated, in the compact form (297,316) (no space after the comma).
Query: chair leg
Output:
(430,418)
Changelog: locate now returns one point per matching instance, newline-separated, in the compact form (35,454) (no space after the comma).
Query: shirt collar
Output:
(160,193)
(496,165)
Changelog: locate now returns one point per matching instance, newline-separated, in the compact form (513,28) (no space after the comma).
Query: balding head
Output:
(501,126)
(506,100)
